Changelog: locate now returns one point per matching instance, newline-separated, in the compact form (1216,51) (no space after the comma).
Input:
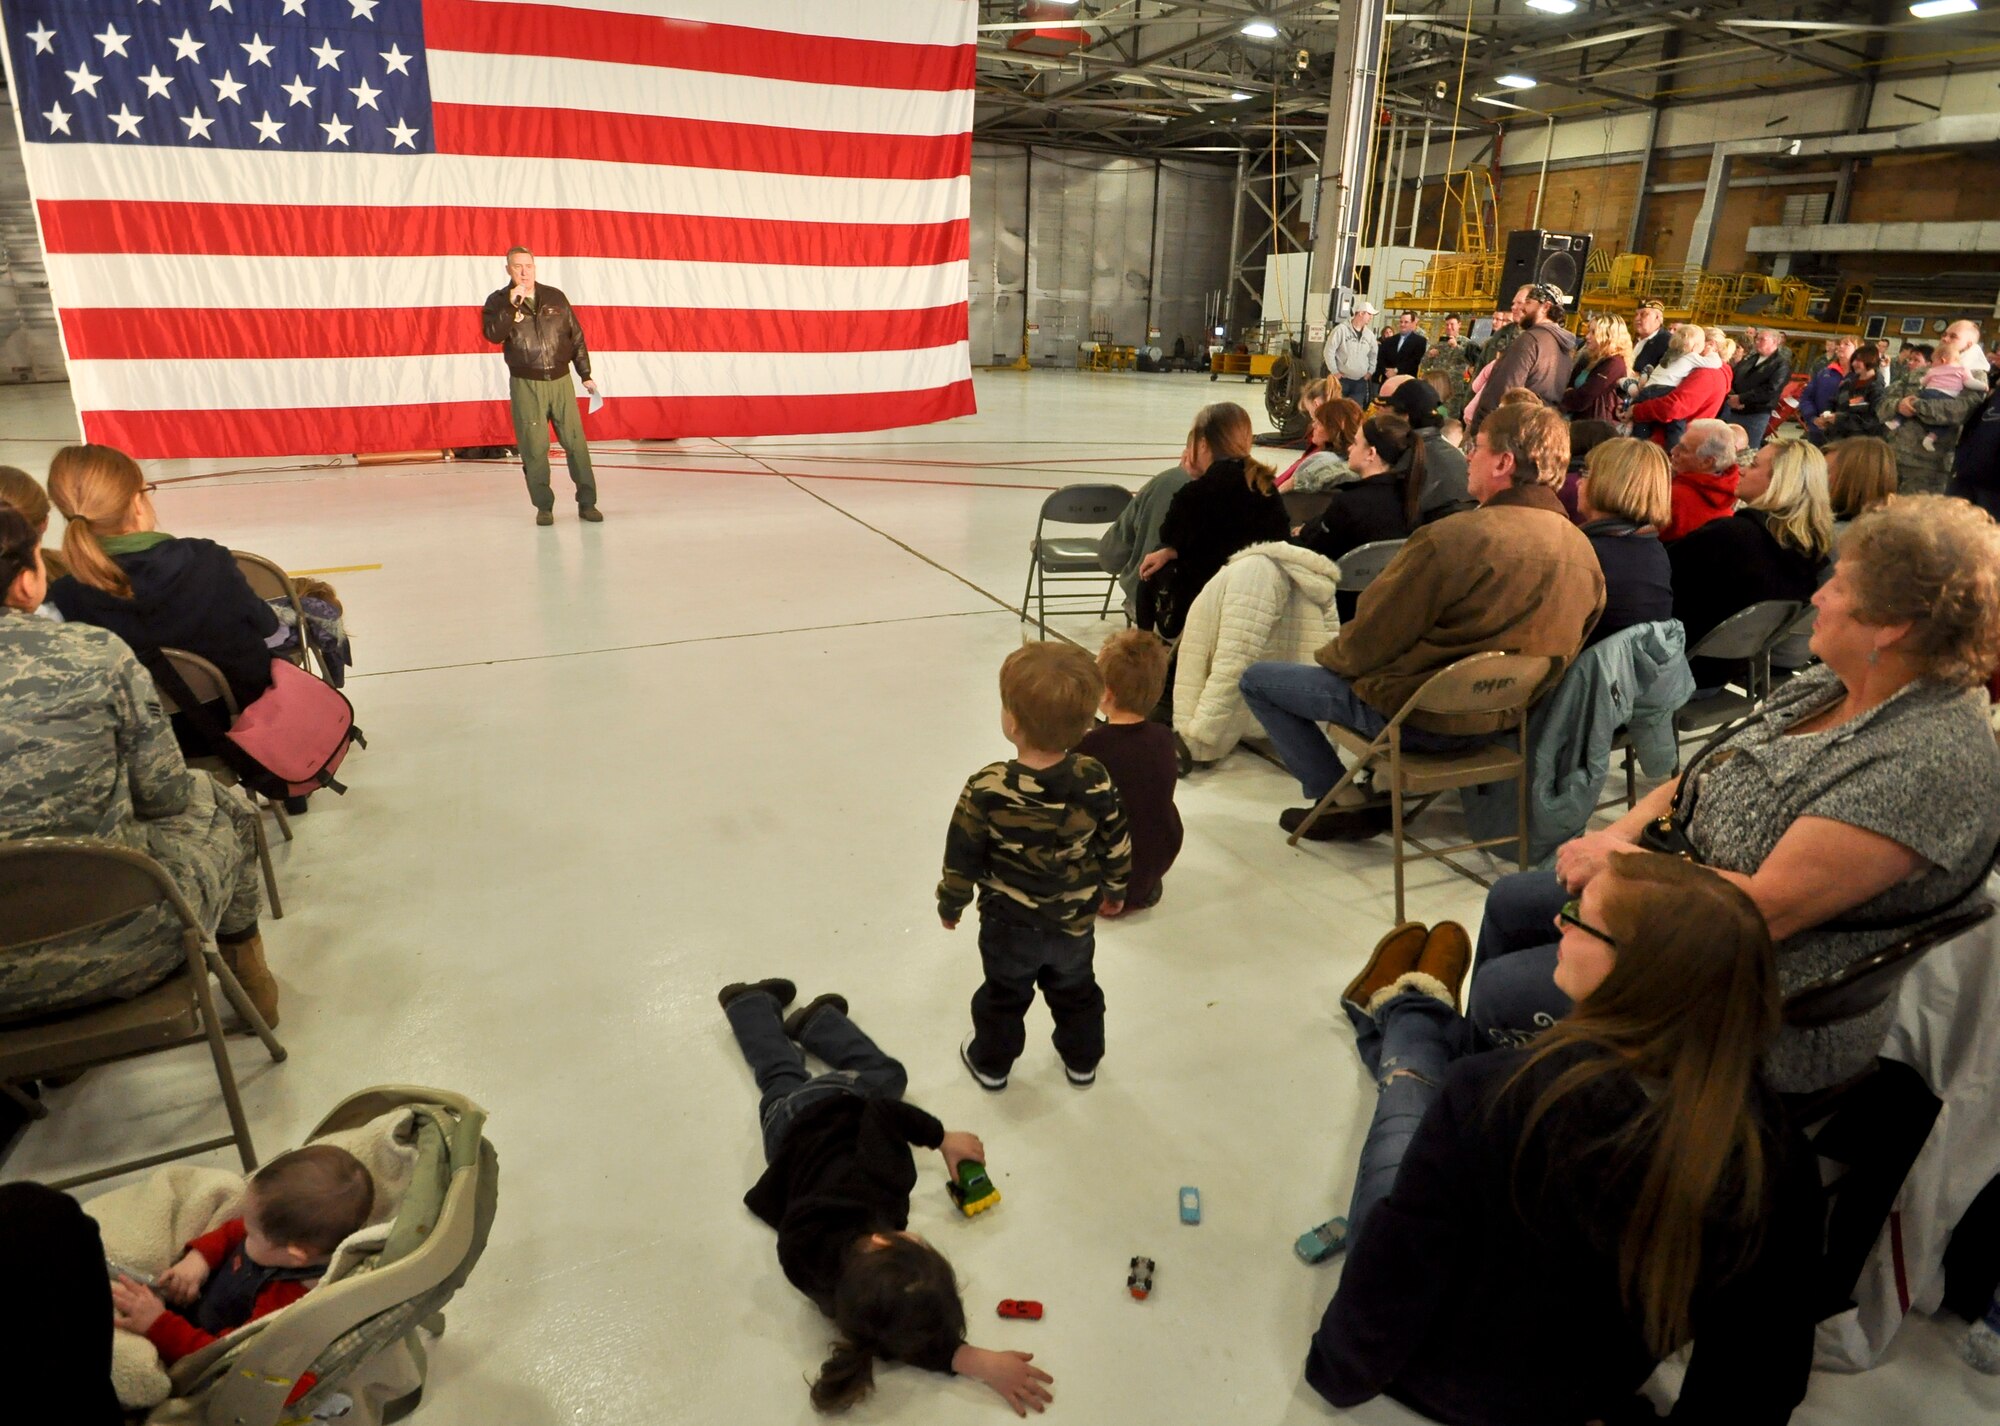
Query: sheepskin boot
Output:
(1447,956)
(244,955)
(1415,980)
(1395,954)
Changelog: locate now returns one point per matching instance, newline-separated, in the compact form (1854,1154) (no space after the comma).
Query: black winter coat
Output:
(1211,518)
(1360,513)
(1726,566)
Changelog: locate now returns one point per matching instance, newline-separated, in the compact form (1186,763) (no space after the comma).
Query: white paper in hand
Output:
(597,401)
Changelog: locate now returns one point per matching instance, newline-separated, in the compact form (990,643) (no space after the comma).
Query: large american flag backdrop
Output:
(269,224)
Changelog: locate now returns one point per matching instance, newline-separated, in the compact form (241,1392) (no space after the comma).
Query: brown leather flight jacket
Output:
(1514,575)
(541,344)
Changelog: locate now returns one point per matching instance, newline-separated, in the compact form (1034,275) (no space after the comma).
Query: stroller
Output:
(357,1331)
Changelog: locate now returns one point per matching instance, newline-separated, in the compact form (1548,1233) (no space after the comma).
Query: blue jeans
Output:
(1355,389)
(859,1067)
(1291,700)
(1018,958)
(1407,1045)
(1513,996)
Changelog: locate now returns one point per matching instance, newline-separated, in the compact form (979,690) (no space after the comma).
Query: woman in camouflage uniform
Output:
(86,751)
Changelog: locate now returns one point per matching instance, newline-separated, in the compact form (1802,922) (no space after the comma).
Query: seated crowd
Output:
(1589,1121)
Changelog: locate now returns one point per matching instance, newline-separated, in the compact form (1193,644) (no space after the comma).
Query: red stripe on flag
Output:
(507,131)
(296,230)
(563,33)
(263,334)
(173,435)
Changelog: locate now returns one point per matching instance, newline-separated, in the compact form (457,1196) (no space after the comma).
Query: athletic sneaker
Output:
(986,1081)
(1082,1079)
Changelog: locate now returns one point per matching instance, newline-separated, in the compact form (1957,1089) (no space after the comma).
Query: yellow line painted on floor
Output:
(333,569)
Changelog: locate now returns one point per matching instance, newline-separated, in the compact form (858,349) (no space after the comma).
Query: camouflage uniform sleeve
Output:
(1111,843)
(964,854)
(161,782)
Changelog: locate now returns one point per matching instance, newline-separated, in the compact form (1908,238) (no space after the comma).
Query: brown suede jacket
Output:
(542,344)
(1514,575)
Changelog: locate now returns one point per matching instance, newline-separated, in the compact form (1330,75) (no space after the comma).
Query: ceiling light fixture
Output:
(1497,102)
(1238,95)
(1553,7)
(1516,81)
(1265,30)
(1931,9)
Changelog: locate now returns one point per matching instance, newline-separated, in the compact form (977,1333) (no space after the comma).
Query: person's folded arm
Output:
(1821,868)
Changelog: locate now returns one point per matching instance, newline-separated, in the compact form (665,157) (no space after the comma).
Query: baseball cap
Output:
(1416,401)
(1365,308)
(1547,292)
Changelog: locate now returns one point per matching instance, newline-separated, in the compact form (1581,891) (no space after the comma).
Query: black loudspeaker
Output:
(1536,255)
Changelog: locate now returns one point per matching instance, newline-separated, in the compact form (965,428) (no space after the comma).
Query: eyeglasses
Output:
(1570,914)
(148,488)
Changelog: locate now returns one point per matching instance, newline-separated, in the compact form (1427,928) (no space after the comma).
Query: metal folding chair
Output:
(1360,565)
(57,887)
(206,683)
(1489,683)
(1072,560)
(268,581)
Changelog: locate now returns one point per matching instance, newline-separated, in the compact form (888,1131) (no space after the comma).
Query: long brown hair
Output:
(1339,420)
(1689,1008)
(1226,428)
(94,487)
(1402,450)
(897,1300)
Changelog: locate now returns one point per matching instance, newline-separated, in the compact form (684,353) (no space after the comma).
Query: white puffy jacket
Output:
(1271,601)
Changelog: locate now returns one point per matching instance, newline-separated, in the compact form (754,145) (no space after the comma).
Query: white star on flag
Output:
(44,38)
(227,88)
(258,51)
(301,92)
(398,62)
(198,124)
(58,118)
(328,56)
(220,5)
(364,96)
(336,132)
(156,83)
(363,9)
(113,42)
(295,7)
(188,47)
(82,79)
(126,120)
(267,128)
(404,135)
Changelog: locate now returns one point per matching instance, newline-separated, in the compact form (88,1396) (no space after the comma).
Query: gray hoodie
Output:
(1539,359)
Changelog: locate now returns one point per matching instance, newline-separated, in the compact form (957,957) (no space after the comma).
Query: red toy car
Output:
(1030,1311)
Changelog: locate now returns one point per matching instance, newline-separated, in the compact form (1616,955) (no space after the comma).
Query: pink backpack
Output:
(288,743)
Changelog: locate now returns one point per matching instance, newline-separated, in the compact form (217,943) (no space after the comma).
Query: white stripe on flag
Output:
(143,280)
(392,381)
(527,81)
(106,172)
(888,21)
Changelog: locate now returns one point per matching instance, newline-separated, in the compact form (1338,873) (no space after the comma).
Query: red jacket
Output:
(176,1337)
(1699,396)
(1698,497)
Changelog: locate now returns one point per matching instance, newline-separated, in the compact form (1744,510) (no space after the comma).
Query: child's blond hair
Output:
(1134,665)
(1051,691)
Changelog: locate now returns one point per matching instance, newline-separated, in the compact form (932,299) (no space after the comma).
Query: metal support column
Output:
(1235,245)
(1152,255)
(1634,228)
(1383,174)
(1423,162)
(1350,120)
(1542,182)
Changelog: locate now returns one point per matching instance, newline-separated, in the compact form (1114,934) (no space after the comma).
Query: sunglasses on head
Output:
(1570,914)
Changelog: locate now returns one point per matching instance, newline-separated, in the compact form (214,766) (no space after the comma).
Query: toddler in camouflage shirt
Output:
(1041,840)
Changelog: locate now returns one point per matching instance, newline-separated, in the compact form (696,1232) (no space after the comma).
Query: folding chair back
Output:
(1360,565)
(1071,561)
(67,888)
(1858,988)
(206,682)
(1748,632)
(268,581)
(1482,683)
(1793,649)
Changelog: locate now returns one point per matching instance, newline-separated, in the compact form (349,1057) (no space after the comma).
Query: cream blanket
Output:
(146,1225)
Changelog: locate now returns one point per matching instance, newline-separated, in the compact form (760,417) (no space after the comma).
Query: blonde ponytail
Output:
(94,487)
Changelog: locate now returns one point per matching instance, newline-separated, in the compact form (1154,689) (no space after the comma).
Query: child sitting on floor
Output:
(837,1189)
(297,1209)
(1041,840)
(1139,755)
